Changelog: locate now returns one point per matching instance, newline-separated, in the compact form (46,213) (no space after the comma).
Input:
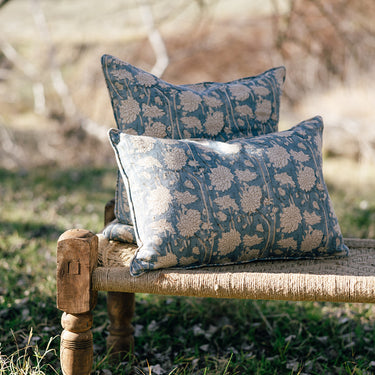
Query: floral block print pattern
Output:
(206,202)
(146,105)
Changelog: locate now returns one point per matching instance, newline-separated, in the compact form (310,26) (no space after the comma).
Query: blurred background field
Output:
(54,115)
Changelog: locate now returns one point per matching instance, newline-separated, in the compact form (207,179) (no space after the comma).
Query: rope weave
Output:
(350,279)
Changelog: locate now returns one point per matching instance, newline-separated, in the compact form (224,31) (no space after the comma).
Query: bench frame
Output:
(79,278)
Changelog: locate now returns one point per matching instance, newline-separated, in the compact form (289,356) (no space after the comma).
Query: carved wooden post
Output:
(77,253)
(120,308)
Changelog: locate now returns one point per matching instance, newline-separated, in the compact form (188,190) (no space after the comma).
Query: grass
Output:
(173,335)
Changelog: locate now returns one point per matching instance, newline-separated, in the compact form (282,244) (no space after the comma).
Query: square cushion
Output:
(207,202)
(146,105)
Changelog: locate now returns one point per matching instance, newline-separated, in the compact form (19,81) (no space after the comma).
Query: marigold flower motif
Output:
(156,129)
(143,144)
(214,123)
(159,200)
(239,92)
(263,110)
(129,110)
(290,219)
(251,198)
(190,101)
(306,178)
(278,156)
(189,223)
(228,242)
(221,178)
(145,79)
(192,122)
(175,158)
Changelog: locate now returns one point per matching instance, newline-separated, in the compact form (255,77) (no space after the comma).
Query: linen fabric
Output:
(205,202)
(146,105)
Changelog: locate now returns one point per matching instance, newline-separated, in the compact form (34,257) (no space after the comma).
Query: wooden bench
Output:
(87,263)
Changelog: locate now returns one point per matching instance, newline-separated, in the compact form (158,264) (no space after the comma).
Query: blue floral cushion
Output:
(146,105)
(207,202)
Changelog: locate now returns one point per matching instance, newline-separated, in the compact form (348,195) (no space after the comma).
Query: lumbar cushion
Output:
(207,202)
(146,105)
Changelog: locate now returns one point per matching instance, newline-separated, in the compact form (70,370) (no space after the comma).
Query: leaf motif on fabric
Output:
(129,110)
(213,102)
(192,122)
(312,240)
(306,178)
(288,243)
(185,197)
(228,242)
(226,202)
(152,111)
(263,110)
(311,218)
(250,241)
(246,175)
(245,110)
(300,156)
(285,179)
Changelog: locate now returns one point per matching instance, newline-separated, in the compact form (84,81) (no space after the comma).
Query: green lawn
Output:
(173,335)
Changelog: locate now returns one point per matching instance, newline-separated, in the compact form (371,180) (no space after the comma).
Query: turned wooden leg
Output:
(76,348)
(77,252)
(120,310)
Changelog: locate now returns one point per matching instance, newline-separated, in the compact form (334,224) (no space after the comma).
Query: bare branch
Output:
(155,39)
(56,76)
(29,71)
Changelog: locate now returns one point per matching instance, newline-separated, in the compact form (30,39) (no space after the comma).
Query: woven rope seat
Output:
(350,279)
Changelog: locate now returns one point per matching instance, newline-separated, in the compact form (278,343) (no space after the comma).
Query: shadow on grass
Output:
(30,229)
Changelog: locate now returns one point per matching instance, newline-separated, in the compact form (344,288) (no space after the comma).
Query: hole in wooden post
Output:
(74,267)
